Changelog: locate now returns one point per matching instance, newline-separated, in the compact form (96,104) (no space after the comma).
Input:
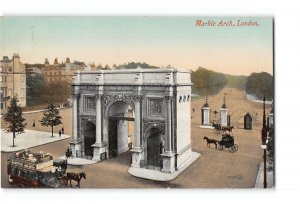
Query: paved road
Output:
(214,169)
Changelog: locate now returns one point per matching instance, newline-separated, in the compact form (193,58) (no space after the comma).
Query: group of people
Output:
(61,131)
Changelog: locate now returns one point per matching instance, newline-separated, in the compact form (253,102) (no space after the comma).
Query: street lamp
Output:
(264,143)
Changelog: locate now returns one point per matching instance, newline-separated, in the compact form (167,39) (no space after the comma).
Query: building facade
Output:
(61,72)
(160,101)
(12,81)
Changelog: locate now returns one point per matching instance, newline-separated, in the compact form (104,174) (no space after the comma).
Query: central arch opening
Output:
(120,128)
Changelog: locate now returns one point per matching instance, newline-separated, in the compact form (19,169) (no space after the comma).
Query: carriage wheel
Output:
(236,147)
(220,147)
(20,185)
(232,149)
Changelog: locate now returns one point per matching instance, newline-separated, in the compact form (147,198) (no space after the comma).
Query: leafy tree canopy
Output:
(14,118)
(134,65)
(51,116)
(40,92)
(207,82)
(260,84)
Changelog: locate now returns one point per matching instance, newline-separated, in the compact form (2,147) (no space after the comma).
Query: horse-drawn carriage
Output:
(39,170)
(218,128)
(35,170)
(227,142)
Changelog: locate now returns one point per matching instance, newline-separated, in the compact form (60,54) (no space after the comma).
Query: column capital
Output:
(138,97)
(75,96)
(169,98)
(99,96)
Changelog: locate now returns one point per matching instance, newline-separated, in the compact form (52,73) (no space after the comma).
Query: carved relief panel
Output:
(89,103)
(155,107)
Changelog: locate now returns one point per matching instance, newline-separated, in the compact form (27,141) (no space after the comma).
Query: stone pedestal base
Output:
(136,157)
(98,148)
(76,148)
(168,162)
(158,175)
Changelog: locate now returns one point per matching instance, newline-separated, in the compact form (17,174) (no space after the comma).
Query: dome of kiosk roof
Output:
(224,105)
(205,104)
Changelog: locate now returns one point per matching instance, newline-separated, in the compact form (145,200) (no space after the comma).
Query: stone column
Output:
(99,146)
(137,149)
(75,143)
(98,118)
(168,155)
(169,125)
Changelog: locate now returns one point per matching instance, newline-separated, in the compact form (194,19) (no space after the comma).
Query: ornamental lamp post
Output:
(264,143)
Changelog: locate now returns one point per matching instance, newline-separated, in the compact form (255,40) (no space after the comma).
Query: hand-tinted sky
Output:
(154,40)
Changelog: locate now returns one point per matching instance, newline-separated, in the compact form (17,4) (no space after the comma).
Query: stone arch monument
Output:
(157,101)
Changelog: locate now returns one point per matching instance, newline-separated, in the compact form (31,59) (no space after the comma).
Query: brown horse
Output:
(229,129)
(76,177)
(209,141)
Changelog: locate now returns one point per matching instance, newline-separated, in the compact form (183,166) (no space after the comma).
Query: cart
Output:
(227,142)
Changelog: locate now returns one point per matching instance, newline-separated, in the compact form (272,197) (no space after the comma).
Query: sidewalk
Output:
(158,175)
(30,138)
(78,161)
(260,178)
(37,111)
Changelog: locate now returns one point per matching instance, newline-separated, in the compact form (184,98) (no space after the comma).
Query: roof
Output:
(224,105)
(205,104)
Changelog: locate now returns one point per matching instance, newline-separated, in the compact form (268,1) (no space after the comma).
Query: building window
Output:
(1,78)
(22,79)
(0,69)
(9,69)
(1,106)
(9,79)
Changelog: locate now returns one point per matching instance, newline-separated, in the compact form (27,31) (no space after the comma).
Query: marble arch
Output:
(158,97)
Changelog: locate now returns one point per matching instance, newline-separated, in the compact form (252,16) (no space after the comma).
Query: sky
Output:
(159,41)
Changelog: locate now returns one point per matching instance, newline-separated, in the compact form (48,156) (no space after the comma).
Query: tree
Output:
(260,85)
(51,117)
(14,118)
(207,82)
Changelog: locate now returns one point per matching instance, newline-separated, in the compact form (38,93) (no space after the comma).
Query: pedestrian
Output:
(62,130)
(33,124)
(59,133)
(193,110)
